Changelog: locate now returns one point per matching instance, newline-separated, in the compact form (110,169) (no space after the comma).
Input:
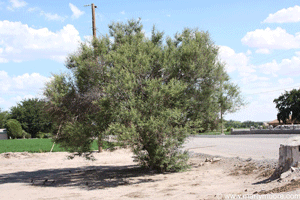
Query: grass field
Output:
(214,133)
(37,145)
(44,145)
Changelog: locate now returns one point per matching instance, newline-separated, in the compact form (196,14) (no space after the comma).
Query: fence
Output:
(281,129)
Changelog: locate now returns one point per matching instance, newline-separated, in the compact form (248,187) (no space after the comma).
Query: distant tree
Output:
(13,128)
(288,104)
(248,124)
(4,116)
(31,114)
(233,124)
(229,97)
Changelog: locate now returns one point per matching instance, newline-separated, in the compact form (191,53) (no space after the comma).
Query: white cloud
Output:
(16,88)
(292,63)
(88,40)
(240,62)
(52,17)
(271,39)
(123,12)
(32,9)
(285,81)
(260,109)
(168,15)
(263,51)
(285,67)
(260,84)
(25,83)
(36,43)
(290,66)
(21,98)
(29,81)
(253,78)
(76,12)
(4,83)
(3,60)
(16,4)
(236,61)
(7,103)
(270,68)
(47,15)
(291,14)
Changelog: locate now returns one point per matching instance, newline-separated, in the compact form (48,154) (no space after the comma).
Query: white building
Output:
(3,134)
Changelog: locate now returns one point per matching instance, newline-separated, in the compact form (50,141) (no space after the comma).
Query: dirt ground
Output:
(114,175)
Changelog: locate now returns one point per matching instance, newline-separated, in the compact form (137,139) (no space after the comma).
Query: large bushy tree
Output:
(151,92)
(31,114)
(288,104)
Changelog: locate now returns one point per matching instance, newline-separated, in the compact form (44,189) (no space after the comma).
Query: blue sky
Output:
(259,41)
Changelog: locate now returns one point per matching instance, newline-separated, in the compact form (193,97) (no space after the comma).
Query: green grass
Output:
(39,145)
(214,133)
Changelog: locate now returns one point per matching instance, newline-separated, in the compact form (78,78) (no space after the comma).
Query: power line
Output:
(273,90)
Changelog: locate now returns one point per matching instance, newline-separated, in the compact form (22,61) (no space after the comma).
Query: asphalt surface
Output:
(243,146)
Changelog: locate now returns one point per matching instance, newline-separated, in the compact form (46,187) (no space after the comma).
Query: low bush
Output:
(25,135)
(228,129)
(13,128)
(44,135)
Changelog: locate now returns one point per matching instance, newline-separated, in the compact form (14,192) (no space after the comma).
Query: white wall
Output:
(3,136)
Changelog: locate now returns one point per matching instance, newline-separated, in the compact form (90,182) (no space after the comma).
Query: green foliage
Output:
(150,92)
(228,129)
(25,135)
(30,113)
(13,128)
(79,135)
(288,104)
(44,135)
(229,95)
(245,124)
(4,116)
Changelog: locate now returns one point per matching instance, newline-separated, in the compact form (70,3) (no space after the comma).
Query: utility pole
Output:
(100,144)
(93,19)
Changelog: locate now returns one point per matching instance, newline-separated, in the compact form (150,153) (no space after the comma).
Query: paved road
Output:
(244,146)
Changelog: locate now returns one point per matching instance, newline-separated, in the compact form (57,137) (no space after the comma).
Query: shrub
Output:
(13,128)
(43,135)
(48,135)
(228,129)
(25,135)
(40,135)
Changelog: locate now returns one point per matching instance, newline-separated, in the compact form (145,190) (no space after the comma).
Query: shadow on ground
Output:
(90,178)
(273,177)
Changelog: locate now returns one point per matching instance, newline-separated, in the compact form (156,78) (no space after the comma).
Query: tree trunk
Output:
(222,131)
(100,144)
(56,137)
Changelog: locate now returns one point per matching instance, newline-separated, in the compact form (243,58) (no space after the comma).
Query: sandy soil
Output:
(114,175)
